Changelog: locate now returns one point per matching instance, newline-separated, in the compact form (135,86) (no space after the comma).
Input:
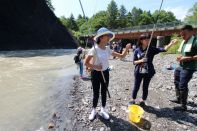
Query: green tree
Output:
(69,23)
(146,18)
(122,17)
(134,16)
(164,16)
(191,17)
(94,23)
(72,23)
(77,35)
(80,20)
(64,21)
(50,5)
(112,11)
(99,20)
(129,20)
(122,11)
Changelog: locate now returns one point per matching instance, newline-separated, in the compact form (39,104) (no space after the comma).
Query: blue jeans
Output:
(182,78)
(81,68)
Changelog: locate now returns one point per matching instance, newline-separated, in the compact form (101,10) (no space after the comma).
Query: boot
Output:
(177,99)
(183,100)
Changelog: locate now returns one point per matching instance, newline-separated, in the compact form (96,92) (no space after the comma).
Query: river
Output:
(33,85)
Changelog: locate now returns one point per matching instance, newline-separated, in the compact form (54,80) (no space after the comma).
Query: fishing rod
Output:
(154,27)
(86,22)
(94,48)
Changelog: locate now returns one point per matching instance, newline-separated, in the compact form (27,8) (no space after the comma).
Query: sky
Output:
(66,7)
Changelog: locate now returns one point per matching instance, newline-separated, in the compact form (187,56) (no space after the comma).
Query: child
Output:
(79,60)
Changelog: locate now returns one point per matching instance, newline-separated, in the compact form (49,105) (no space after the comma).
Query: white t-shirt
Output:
(102,56)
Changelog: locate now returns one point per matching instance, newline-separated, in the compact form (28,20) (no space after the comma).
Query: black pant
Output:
(182,78)
(97,82)
(138,79)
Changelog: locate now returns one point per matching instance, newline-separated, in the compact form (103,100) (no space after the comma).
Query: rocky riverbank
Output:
(159,110)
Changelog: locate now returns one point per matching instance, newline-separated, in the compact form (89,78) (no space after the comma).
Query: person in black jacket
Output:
(144,68)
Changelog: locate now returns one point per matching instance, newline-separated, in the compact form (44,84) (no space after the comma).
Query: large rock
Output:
(30,24)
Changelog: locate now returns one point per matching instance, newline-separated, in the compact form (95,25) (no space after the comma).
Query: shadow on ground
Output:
(118,124)
(178,116)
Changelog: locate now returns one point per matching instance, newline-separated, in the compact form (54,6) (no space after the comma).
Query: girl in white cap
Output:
(97,60)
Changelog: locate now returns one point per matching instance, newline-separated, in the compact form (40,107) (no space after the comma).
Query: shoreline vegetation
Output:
(159,111)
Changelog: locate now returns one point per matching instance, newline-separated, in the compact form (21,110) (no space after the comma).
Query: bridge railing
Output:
(144,28)
(148,27)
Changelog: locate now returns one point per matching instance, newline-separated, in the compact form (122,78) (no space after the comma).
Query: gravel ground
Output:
(159,111)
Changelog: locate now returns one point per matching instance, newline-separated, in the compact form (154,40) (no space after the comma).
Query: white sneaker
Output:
(104,113)
(92,115)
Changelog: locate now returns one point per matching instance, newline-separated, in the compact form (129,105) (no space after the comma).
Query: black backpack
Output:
(76,59)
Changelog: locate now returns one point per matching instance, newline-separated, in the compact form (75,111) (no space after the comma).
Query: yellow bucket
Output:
(135,113)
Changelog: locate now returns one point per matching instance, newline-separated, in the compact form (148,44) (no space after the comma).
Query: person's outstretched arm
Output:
(173,42)
(124,53)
